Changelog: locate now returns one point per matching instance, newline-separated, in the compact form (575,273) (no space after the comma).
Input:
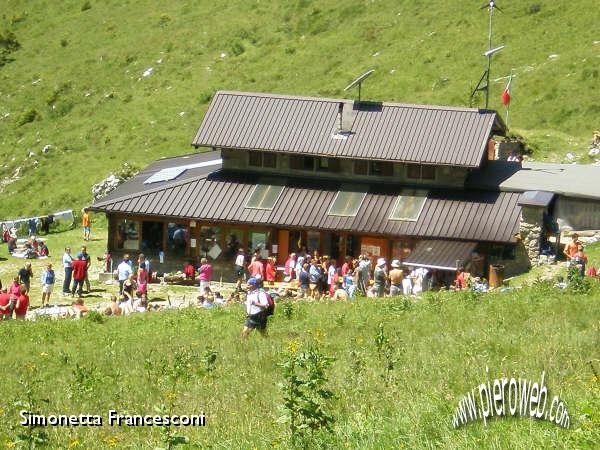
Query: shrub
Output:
(64,42)
(26,117)
(94,316)
(8,45)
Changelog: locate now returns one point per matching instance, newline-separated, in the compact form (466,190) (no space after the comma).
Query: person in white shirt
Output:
(239,267)
(123,272)
(256,309)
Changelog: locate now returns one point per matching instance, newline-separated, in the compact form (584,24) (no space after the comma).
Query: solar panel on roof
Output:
(171,173)
(346,203)
(409,205)
(264,196)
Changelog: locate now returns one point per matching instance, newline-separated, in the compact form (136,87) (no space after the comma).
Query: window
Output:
(302,162)
(313,241)
(264,196)
(408,205)
(381,168)
(346,203)
(428,172)
(177,238)
(209,241)
(255,159)
(262,159)
(413,171)
(328,165)
(128,235)
(152,236)
(234,240)
(270,160)
(420,172)
(361,167)
(258,242)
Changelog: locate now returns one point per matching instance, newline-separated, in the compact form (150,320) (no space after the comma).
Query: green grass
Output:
(442,346)
(78,74)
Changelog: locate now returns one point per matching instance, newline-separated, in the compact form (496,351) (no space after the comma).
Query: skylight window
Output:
(264,196)
(409,205)
(346,203)
(170,173)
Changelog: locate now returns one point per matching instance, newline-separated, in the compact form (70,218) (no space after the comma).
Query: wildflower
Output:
(171,395)
(9,444)
(74,443)
(43,354)
(112,441)
(293,347)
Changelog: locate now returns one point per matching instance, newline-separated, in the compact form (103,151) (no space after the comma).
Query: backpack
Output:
(269,310)
(49,277)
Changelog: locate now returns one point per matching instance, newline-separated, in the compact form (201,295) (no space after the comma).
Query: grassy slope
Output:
(81,71)
(443,345)
(442,348)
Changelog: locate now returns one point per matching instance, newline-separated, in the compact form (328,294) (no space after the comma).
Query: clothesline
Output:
(66,215)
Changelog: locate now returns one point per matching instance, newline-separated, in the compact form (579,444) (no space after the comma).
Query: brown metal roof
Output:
(443,255)
(221,197)
(383,131)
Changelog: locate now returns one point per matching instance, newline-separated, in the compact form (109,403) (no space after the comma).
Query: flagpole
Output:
(508,106)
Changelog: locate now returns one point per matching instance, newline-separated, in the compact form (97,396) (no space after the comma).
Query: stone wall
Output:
(531,229)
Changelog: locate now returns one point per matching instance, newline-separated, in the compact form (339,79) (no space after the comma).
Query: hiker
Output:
(190,271)
(123,272)
(142,282)
(256,309)
(67,259)
(256,269)
(270,271)
(85,223)
(395,276)
(88,261)
(238,268)
(349,284)
(204,274)
(288,268)
(571,247)
(43,249)
(113,309)
(339,293)
(5,311)
(47,281)
(25,275)
(364,266)
(304,280)
(78,308)
(79,273)
(407,284)
(22,304)
(379,278)
(579,260)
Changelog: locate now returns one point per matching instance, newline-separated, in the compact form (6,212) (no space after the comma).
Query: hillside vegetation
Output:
(104,82)
(399,370)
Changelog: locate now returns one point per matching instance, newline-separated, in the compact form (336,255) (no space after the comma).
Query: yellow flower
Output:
(171,395)
(594,379)
(74,443)
(293,347)
(43,354)
(112,441)
(9,444)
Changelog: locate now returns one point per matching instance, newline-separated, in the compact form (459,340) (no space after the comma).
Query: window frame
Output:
(397,202)
(262,207)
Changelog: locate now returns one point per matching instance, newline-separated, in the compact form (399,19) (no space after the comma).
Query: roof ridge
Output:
(345,100)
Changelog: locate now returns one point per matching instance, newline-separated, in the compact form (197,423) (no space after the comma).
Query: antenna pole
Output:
(489,58)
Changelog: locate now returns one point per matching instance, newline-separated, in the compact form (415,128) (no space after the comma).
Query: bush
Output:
(8,45)
(26,117)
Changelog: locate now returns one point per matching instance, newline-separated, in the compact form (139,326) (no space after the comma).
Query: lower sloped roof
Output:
(221,197)
(443,255)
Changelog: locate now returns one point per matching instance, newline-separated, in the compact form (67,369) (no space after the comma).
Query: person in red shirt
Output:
(15,288)
(22,304)
(461,281)
(270,271)
(256,268)
(189,271)
(79,266)
(5,311)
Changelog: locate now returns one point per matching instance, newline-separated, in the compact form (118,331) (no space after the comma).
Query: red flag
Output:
(506,93)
